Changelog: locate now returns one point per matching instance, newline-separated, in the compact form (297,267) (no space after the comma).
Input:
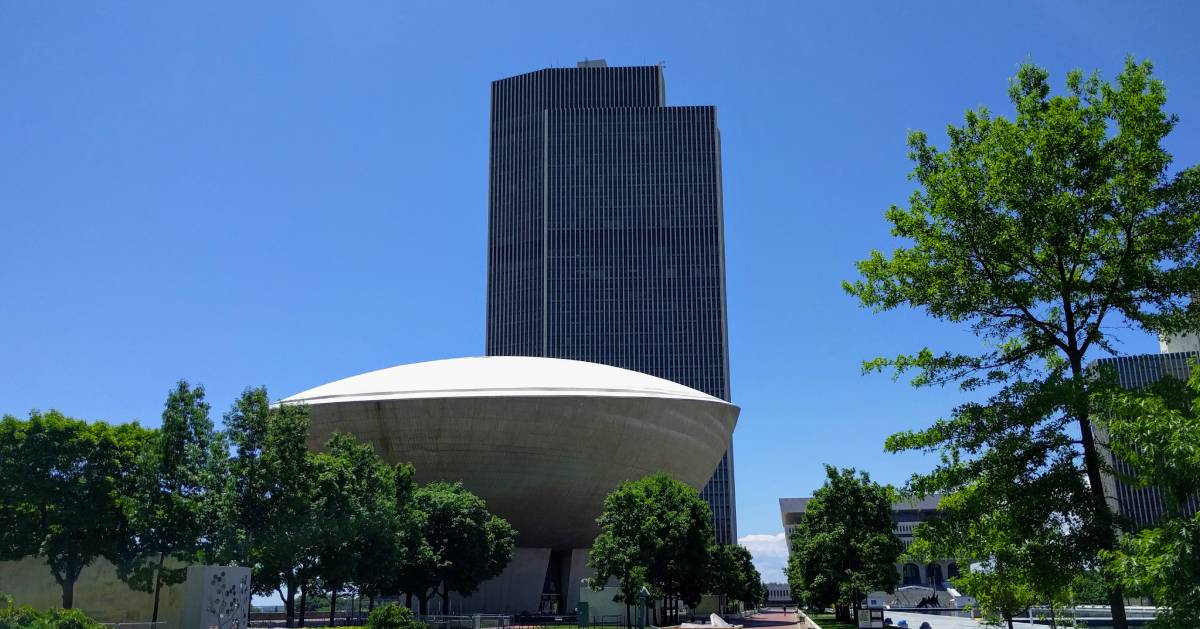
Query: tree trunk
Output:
(288,609)
(68,593)
(303,604)
(289,605)
(162,558)
(332,607)
(408,600)
(423,600)
(1091,461)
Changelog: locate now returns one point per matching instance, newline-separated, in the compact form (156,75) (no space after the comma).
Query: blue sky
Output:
(286,193)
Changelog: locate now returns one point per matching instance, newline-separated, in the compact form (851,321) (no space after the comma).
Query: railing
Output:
(162,624)
(471,621)
(312,618)
(959,612)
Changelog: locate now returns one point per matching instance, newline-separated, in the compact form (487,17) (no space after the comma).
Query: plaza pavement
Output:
(779,620)
(946,622)
(773,619)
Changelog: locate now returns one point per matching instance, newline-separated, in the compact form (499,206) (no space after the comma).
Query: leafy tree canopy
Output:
(843,548)
(732,575)
(63,489)
(273,497)
(656,532)
(173,487)
(462,544)
(1039,234)
(1158,432)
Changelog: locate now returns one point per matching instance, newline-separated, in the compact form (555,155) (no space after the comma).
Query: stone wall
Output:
(98,593)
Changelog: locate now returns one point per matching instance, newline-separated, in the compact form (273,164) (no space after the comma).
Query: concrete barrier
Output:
(804,622)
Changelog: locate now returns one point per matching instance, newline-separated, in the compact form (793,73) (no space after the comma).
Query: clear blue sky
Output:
(287,193)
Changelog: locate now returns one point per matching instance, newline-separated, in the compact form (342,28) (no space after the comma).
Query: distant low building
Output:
(905,517)
(778,594)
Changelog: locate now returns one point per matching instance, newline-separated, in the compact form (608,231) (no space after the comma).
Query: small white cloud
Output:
(770,554)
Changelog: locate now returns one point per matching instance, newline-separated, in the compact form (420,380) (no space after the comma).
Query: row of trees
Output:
(657,533)
(1045,234)
(253,495)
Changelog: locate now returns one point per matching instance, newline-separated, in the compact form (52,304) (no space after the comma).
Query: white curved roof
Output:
(497,376)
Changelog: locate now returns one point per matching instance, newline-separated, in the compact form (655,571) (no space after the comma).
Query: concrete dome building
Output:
(542,440)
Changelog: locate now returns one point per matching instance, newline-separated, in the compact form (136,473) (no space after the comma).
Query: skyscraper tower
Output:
(606,233)
(1144,506)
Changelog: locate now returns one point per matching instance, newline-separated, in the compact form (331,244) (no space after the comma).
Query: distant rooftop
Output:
(799,505)
(793,505)
(592,63)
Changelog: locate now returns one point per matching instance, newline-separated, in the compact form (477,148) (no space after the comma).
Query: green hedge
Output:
(13,616)
(393,616)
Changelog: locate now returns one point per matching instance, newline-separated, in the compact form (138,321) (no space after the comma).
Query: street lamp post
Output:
(642,596)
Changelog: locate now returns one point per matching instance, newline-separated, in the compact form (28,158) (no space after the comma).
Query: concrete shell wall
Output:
(543,463)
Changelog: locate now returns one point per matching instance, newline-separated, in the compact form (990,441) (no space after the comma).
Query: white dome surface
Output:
(498,376)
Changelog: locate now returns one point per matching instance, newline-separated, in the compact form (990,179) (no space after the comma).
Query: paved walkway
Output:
(779,620)
(946,622)
(771,620)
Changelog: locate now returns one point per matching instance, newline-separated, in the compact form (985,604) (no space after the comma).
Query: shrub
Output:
(13,616)
(393,616)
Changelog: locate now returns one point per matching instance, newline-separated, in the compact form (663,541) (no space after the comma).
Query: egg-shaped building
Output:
(542,440)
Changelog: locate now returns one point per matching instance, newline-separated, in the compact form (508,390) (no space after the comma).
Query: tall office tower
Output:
(605,233)
(1143,505)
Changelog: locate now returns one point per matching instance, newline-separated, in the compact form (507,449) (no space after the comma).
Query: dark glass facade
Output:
(1143,505)
(605,233)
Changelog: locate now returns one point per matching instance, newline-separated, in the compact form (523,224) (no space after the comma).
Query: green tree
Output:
(733,577)
(387,535)
(843,547)
(1032,522)
(1158,432)
(1039,234)
(462,544)
(1089,588)
(1028,559)
(168,516)
(285,548)
(1002,589)
(274,496)
(658,532)
(356,514)
(334,549)
(756,593)
(406,560)
(611,558)
(244,500)
(63,485)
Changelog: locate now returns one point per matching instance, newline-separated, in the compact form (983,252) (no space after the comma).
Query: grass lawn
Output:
(827,621)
